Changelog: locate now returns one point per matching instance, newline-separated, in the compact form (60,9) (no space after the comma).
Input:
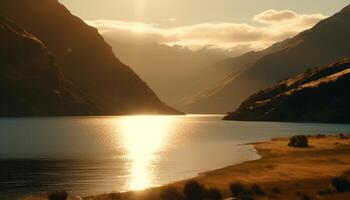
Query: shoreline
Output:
(290,171)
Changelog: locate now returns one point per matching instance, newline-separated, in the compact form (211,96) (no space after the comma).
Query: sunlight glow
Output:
(140,6)
(143,138)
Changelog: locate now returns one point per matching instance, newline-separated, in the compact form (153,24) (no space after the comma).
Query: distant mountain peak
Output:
(327,42)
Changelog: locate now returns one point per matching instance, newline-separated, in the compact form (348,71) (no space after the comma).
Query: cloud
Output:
(237,37)
(288,17)
(275,16)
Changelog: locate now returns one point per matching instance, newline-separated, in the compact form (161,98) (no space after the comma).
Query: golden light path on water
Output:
(143,137)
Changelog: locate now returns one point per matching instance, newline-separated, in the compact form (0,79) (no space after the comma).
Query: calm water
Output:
(97,155)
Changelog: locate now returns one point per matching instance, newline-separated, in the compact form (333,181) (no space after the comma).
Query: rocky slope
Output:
(327,42)
(85,58)
(31,83)
(319,95)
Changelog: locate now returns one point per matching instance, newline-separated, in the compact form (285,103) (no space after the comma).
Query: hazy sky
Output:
(188,12)
(237,25)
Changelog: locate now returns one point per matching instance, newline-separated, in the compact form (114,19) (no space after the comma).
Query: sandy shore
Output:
(291,171)
(283,172)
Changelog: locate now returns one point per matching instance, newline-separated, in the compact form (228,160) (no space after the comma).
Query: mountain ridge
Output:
(85,58)
(32,84)
(319,95)
(313,47)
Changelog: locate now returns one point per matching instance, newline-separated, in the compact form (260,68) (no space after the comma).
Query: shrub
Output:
(304,197)
(246,197)
(341,184)
(213,194)
(276,191)
(58,195)
(300,141)
(320,136)
(237,189)
(256,189)
(171,194)
(326,192)
(193,190)
(343,136)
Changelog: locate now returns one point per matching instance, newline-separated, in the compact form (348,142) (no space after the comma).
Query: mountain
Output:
(31,82)
(319,95)
(249,58)
(173,72)
(229,68)
(326,42)
(85,58)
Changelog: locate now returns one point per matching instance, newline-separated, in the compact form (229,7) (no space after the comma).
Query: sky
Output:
(235,25)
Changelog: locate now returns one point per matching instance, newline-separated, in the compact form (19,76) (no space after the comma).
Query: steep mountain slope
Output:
(326,42)
(31,83)
(249,58)
(173,72)
(229,68)
(85,58)
(320,95)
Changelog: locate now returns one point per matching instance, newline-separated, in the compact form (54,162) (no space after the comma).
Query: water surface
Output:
(90,155)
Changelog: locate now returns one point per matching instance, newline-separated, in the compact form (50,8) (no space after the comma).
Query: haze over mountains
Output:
(326,42)
(168,58)
(319,95)
(173,72)
(90,76)
(85,58)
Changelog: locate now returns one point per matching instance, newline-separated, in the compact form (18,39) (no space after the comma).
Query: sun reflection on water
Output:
(143,139)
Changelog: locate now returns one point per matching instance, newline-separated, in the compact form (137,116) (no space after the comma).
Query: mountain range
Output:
(327,42)
(173,72)
(83,57)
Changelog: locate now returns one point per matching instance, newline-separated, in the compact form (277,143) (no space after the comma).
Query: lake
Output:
(92,155)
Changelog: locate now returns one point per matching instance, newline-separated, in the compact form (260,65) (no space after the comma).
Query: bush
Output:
(341,184)
(300,141)
(256,189)
(213,194)
(326,192)
(304,197)
(320,136)
(193,190)
(246,197)
(237,189)
(276,191)
(343,136)
(171,194)
(58,195)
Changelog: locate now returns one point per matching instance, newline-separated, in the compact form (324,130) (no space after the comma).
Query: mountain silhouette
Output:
(319,95)
(31,82)
(85,58)
(327,42)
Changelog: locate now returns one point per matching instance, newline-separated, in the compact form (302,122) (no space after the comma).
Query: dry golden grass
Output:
(293,171)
